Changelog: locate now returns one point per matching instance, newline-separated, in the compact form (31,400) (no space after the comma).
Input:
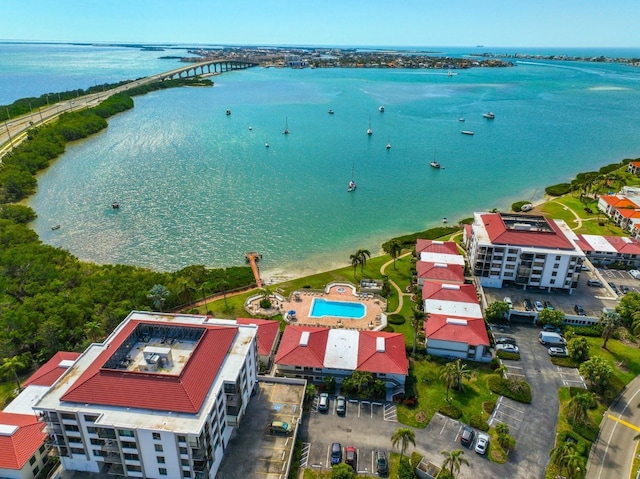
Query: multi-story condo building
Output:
(159,398)
(523,250)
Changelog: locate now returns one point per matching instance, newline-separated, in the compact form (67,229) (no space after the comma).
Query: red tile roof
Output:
(268,330)
(464,293)
(440,247)
(16,449)
(49,372)
(312,355)
(392,361)
(635,163)
(181,393)
(624,244)
(628,212)
(447,273)
(444,328)
(499,234)
(618,202)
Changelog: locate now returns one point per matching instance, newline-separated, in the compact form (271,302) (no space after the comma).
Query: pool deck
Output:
(301,302)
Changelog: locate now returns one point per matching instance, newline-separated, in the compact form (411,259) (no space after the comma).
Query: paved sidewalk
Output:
(612,452)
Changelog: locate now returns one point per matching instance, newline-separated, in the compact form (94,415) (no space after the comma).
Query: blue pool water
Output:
(336,309)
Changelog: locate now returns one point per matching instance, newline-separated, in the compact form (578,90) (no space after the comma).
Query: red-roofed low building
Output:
(524,250)
(610,249)
(634,167)
(314,353)
(23,453)
(49,372)
(457,337)
(440,272)
(173,383)
(268,335)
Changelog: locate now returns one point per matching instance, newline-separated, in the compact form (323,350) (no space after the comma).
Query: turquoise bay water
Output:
(198,186)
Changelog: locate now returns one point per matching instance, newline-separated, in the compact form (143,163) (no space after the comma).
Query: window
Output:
(65,415)
(183,450)
(41,450)
(160,459)
(126,433)
(182,438)
(557,258)
(36,470)
(132,468)
(184,462)
(77,450)
(131,457)
(162,471)
(92,430)
(69,427)
(129,445)
(156,436)
(556,265)
(32,460)
(555,273)
(96,442)
(186,474)
(90,418)
(158,447)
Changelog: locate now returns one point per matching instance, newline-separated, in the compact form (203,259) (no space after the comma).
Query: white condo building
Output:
(159,398)
(524,250)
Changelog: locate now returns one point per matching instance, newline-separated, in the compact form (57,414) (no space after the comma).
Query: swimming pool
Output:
(337,309)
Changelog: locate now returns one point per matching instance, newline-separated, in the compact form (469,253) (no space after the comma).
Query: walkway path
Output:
(612,452)
(401,293)
(578,220)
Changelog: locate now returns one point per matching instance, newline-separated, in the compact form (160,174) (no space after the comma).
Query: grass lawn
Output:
(556,209)
(432,393)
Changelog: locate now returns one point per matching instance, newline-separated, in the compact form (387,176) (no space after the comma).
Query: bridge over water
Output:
(14,131)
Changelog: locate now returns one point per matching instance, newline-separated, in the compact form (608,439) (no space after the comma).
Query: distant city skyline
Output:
(497,23)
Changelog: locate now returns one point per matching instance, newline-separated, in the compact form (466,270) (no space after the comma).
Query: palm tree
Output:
(185,287)
(501,370)
(578,406)
(446,373)
(573,463)
(222,285)
(364,255)
(502,429)
(563,449)
(355,261)
(460,372)
(11,365)
(204,287)
(158,295)
(416,322)
(394,250)
(403,436)
(453,460)
(610,322)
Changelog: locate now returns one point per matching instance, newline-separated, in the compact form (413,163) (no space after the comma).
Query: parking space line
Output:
(304,454)
(390,413)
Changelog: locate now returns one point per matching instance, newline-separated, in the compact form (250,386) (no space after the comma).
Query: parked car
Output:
(280,427)
(551,339)
(538,305)
(507,300)
(506,340)
(351,457)
(624,288)
(323,402)
(336,453)
(509,348)
(548,305)
(482,443)
(579,310)
(635,273)
(614,288)
(595,283)
(551,328)
(382,465)
(528,305)
(558,351)
(341,405)
(584,267)
(466,436)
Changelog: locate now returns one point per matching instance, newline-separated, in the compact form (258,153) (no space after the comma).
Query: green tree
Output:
(447,375)
(11,366)
(363,255)
(561,450)
(497,311)
(204,290)
(578,348)
(417,321)
(222,285)
(158,295)
(553,317)
(453,461)
(573,465)
(610,321)
(597,371)
(504,439)
(578,406)
(403,436)
(460,371)
(355,261)
(184,288)
(395,248)
(628,306)
(361,379)
(342,471)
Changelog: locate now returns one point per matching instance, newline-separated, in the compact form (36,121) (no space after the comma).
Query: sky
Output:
(526,23)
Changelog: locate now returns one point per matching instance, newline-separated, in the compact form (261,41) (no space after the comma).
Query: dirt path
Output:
(401,293)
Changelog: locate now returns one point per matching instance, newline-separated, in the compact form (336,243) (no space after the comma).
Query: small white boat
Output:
(381,109)
(352,186)
(388,146)
(489,115)
(467,132)
(286,126)
(435,164)
(461,118)
(55,227)
(266,145)
(330,112)
(444,220)
(228,112)
(250,128)
(369,130)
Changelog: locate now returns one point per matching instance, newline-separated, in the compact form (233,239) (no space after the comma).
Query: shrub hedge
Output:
(511,388)
(558,190)
(450,410)
(396,319)
(479,422)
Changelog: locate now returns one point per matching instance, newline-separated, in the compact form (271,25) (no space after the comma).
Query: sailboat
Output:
(352,184)
(434,163)
(286,126)
(369,130)
(388,144)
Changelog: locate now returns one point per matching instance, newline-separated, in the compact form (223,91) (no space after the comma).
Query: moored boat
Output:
(330,112)
(435,164)
(467,132)
(489,115)
(381,109)
(369,130)
(55,227)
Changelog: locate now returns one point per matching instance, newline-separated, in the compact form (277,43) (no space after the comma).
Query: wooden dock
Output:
(252,259)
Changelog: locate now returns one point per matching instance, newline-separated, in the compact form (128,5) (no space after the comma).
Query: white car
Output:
(509,348)
(558,351)
(507,300)
(482,443)
(538,305)
(635,273)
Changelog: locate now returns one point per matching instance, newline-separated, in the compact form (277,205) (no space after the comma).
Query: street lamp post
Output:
(8,133)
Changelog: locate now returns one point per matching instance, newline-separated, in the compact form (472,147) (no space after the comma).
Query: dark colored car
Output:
(341,405)
(351,457)
(614,288)
(382,466)
(336,453)
(579,310)
(466,436)
(548,305)
(528,305)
